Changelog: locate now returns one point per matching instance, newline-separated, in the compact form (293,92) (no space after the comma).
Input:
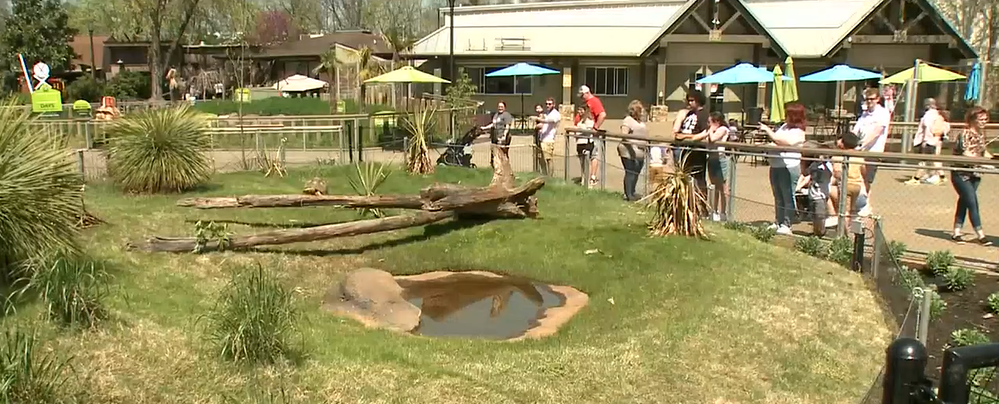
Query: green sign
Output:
(45,99)
(341,107)
(242,94)
(81,105)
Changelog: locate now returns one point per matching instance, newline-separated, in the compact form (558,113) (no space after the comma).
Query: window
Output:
(497,85)
(607,80)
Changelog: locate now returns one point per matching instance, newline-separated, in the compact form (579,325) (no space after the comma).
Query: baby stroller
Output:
(811,210)
(459,153)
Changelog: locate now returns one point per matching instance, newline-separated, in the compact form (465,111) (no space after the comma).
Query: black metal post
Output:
(93,63)
(859,237)
(905,366)
(957,365)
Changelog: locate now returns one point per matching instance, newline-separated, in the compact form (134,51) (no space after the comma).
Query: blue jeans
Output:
(632,168)
(783,180)
(966,186)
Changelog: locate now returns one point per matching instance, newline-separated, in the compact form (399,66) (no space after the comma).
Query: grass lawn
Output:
(673,320)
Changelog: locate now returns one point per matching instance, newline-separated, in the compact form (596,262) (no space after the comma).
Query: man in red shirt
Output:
(599,115)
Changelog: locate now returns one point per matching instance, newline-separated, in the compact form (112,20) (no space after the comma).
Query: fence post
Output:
(732,164)
(360,141)
(565,174)
(603,161)
(857,228)
(584,178)
(80,164)
(879,240)
(86,133)
(958,364)
(925,305)
(905,363)
(405,151)
(841,209)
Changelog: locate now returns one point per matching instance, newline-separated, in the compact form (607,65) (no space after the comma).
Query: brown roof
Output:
(316,46)
(81,47)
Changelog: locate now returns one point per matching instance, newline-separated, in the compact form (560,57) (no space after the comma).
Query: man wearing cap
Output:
(597,111)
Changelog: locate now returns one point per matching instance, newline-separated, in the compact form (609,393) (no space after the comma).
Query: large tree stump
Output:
(499,199)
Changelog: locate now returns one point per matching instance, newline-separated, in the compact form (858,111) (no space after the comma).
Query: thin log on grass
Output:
(283,201)
(286,236)
(485,196)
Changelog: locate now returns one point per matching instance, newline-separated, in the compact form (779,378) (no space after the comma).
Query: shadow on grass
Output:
(429,231)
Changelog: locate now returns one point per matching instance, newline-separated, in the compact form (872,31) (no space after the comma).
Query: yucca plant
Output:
(677,205)
(159,150)
(28,373)
(73,290)
(41,193)
(254,318)
(420,125)
(370,176)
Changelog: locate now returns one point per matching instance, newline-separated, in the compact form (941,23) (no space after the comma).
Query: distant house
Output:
(86,55)
(302,56)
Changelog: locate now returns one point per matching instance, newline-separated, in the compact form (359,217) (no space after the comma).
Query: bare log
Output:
(282,201)
(286,236)
(485,196)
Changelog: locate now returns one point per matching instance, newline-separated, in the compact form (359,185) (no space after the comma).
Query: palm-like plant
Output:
(420,125)
(159,150)
(41,193)
(370,176)
(329,63)
(676,205)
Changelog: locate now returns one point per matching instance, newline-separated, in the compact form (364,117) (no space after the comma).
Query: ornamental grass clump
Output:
(420,126)
(676,205)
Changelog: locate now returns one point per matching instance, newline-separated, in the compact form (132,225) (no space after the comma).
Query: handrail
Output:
(763,148)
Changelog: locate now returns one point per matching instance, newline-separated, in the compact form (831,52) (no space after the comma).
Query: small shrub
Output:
(737,226)
(841,251)
(130,85)
(911,278)
(29,373)
(763,233)
(938,262)
(254,318)
(810,245)
(41,193)
(957,278)
(937,306)
(968,336)
(159,150)
(895,250)
(211,236)
(86,89)
(73,290)
(369,178)
(676,205)
(993,303)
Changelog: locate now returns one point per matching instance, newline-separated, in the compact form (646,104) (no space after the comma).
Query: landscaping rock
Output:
(373,297)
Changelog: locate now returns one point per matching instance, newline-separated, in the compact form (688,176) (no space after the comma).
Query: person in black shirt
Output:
(688,148)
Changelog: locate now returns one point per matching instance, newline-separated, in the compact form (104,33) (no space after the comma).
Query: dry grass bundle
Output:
(420,126)
(677,205)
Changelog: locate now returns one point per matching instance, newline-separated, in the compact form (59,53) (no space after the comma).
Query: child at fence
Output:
(856,191)
(585,146)
(815,183)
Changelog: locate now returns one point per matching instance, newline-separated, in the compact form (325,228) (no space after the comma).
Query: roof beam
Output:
(695,38)
(700,21)
(912,23)
(884,20)
(730,21)
(901,39)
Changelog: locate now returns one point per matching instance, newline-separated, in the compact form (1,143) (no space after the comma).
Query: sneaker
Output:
(716,217)
(957,239)
(784,230)
(772,226)
(912,181)
(983,241)
(832,221)
(932,180)
(594,182)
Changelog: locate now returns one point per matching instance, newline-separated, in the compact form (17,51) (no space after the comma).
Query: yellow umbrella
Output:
(926,73)
(777,98)
(791,87)
(406,74)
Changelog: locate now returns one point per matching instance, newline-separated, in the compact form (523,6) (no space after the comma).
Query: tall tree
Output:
(273,26)
(39,30)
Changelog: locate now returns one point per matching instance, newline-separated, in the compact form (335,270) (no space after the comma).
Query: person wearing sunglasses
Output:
(548,120)
(872,128)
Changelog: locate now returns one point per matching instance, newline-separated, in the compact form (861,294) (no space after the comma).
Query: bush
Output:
(41,193)
(86,89)
(253,319)
(841,251)
(968,336)
(810,245)
(896,249)
(993,303)
(159,150)
(737,226)
(957,278)
(937,306)
(939,262)
(763,233)
(28,373)
(129,85)
(911,278)
(282,106)
(73,291)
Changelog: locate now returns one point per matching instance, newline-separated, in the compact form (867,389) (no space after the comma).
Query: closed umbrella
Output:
(521,70)
(777,98)
(790,86)
(974,82)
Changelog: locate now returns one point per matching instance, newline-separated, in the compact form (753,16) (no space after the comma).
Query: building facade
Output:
(654,50)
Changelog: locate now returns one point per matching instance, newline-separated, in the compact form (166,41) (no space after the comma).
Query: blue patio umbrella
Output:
(974,82)
(841,73)
(521,70)
(742,73)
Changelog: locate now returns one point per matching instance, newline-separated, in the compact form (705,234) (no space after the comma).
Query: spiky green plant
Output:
(677,205)
(28,373)
(254,318)
(420,125)
(370,176)
(159,150)
(41,193)
(73,289)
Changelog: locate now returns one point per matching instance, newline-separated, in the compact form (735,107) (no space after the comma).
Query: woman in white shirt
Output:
(785,167)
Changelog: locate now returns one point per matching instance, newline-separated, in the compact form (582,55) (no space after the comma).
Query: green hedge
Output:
(281,106)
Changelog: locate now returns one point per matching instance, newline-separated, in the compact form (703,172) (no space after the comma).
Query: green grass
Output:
(282,106)
(670,319)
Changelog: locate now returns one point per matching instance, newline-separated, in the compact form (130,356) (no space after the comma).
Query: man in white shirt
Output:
(925,141)
(872,128)
(546,135)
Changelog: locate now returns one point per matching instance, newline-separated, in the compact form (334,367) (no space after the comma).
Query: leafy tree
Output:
(458,97)
(38,29)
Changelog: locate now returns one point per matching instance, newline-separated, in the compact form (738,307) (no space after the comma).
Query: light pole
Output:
(93,66)
(451,70)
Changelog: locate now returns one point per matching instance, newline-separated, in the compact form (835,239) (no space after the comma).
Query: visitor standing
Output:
(598,114)
(632,152)
(872,128)
(785,167)
(548,120)
(971,143)
(718,166)
(499,128)
(928,136)
(688,154)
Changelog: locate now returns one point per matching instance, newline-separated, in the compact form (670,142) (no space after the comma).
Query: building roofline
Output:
(550,5)
(685,11)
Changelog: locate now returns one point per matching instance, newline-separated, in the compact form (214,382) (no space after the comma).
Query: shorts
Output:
(657,155)
(872,170)
(592,148)
(718,170)
(926,148)
(548,150)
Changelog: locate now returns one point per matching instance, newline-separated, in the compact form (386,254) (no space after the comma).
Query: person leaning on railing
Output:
(785,168)
(632,154)
(970,143)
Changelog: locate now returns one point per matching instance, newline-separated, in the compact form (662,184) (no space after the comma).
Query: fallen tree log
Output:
(286,236)
(287,201)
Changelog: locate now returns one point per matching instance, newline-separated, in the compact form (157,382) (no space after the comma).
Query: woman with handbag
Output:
(971,143)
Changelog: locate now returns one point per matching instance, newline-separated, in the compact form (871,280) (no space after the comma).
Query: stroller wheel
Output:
(471,165)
